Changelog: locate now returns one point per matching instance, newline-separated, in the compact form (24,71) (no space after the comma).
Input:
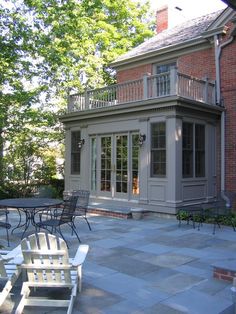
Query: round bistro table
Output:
(28,207)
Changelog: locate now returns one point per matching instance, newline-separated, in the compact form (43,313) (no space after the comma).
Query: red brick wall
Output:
(228,92)
(162,19)
(201,64)
(198,64)
(134,73)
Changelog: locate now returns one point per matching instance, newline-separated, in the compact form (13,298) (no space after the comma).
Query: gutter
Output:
(218,50)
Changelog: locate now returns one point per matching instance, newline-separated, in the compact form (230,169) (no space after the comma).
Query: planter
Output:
(136,213)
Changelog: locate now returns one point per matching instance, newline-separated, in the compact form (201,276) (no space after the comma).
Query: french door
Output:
(118,166)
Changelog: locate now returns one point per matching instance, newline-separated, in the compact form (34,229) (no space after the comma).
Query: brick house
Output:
(164,136)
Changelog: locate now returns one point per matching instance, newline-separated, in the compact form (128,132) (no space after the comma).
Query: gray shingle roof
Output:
(176,35)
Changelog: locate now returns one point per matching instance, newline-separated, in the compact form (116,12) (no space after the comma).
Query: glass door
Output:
(118,170)
(106,166)
(121,166)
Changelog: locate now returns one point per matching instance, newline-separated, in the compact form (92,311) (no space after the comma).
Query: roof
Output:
(231,3)
(181,33)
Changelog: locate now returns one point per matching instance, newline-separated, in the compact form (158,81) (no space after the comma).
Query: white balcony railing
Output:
(149,87)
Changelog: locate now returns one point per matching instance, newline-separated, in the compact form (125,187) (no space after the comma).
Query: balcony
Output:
(149,87)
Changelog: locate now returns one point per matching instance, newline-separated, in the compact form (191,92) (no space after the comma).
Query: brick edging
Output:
(224,274)
(109,213)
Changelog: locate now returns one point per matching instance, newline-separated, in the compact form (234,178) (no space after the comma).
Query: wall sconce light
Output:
(81,143)
(142,138)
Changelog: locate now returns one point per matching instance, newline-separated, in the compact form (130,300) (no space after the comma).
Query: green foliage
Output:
(182,215)
(81,38)
(47,49)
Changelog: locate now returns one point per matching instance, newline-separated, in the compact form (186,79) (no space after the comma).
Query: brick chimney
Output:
(161,19)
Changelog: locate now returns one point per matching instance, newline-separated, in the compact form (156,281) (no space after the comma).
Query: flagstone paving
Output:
(145,266)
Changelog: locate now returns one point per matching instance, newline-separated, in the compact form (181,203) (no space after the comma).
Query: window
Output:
(135,164)
(75,152)
(163,79)
(93,164)
(199,150)
(158,149)
(187,150)
(193,150)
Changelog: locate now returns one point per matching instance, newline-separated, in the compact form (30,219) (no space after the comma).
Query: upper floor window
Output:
(158,149)
(193,150)
(163,78)
(75,152)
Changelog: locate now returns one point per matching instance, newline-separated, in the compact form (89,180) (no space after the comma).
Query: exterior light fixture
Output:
(141,139)
(81,143)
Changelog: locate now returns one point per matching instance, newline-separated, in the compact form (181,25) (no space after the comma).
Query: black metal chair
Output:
(82,205)
(59,217)
(191,213)
(220,209)
(5,224)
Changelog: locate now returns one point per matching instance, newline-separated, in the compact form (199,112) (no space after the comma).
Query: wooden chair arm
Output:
(80,255)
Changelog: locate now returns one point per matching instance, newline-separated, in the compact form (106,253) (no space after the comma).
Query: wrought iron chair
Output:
(59,217)
(191,213)
(52,277)
(221,209)
(5,223)
(81,205)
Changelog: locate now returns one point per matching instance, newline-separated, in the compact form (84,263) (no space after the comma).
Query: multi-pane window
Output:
(193,150)
(106,166)
(75,152)
(163,79)
(199,150)
(121,163)
(158,149)
(187,150)
(93,164)
(135,164)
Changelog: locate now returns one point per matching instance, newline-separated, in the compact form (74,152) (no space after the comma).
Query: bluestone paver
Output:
(145,266)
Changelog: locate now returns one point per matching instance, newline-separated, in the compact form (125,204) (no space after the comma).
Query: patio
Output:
(146,266)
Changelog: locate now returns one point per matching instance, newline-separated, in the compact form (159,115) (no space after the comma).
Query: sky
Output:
(189,8)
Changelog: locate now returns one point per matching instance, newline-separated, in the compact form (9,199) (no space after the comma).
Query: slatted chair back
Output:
(3,273)
(46,260)
(9,273)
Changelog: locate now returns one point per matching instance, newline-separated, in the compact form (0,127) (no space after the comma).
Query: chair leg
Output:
(8,242)
(19,223)
(7,225)
(88,223)
(59,231)
(233,225)
(74,230)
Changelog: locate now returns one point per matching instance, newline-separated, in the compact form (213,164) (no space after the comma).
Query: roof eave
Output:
(212,32)
(160,51)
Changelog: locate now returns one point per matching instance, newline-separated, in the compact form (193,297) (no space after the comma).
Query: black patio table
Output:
(28,207)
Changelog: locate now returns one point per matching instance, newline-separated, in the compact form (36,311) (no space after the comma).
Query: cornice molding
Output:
(164,53)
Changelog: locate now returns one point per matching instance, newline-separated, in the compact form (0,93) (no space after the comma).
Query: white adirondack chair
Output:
(48,266)
(9,271)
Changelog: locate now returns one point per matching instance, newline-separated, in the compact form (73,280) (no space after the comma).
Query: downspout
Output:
(218,50)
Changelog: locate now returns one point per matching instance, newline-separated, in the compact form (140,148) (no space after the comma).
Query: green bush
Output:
(53,188)
(182,215)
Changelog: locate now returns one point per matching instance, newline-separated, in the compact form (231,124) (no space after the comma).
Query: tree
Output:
(47,49)
(77,40)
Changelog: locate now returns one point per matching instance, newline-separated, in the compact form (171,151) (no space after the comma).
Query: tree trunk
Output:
(1,157)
